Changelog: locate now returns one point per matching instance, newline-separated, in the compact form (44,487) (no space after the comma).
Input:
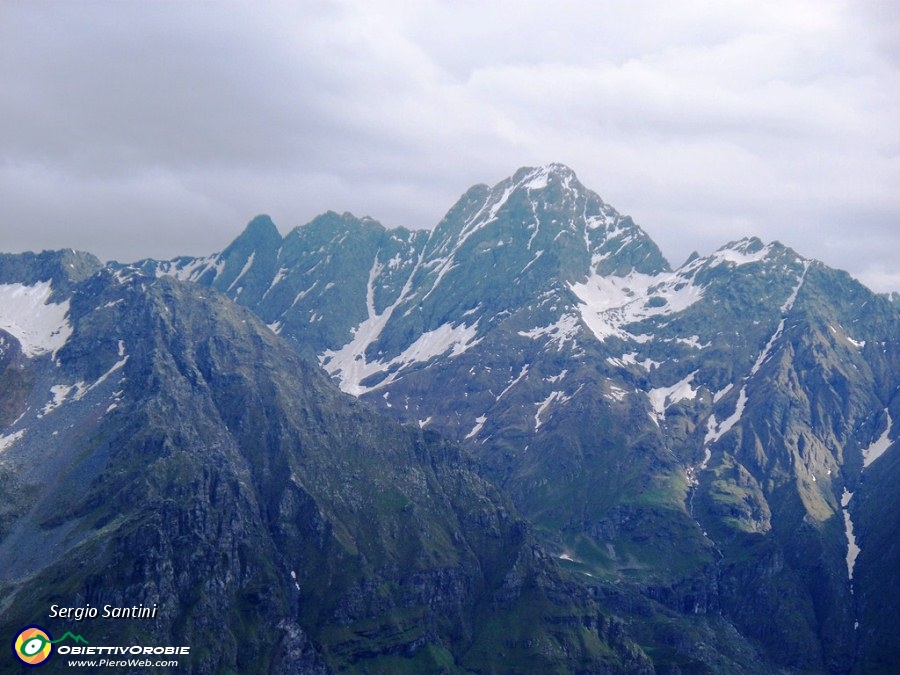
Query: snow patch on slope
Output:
(186,270)
(558,333)
(350,360)
(62,392)
(880,445)
(615,393)
(59,392)
(693,342)
(739,253)
(719,395)
(852,546)
(352,368)
(538,179)
(350,364)
(662,397)
(479,425)
(715,431)
(244,270)
(8,441)
(630,359)
(39,325)
(553,397)
(514,381)
(785,309)
(792,298)
(446,338)
(610,303)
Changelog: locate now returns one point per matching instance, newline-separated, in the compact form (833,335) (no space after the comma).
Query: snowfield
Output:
(26,313)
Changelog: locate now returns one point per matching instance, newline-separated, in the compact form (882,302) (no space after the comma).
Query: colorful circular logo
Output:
(32,646)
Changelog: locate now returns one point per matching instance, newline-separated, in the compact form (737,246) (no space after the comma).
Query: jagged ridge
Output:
(680,435)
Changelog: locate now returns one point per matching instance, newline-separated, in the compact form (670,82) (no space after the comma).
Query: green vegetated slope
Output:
(680,439)
(278,524)
(687,445)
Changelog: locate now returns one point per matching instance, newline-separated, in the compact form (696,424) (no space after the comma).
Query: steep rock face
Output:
(174,451)
(62,268)
(684,440)
(874,506)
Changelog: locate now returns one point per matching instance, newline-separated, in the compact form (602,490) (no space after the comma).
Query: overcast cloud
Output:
(135,129)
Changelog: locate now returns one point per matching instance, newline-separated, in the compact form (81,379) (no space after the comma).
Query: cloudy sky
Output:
(135,129)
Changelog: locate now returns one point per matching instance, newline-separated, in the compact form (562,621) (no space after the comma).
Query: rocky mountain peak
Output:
(749,253)
(63,268)
(691,445)
(540,177)
(260,234)
(748,249)
(543,218)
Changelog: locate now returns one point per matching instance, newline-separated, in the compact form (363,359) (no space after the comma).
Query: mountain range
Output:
(519,442)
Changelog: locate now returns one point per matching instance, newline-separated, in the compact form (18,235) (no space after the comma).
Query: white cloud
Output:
(878,276)
(705,121)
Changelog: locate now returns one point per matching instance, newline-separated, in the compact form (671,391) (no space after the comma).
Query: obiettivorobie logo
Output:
(33,645)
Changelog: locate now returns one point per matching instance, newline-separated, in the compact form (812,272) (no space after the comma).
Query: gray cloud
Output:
(153,129)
